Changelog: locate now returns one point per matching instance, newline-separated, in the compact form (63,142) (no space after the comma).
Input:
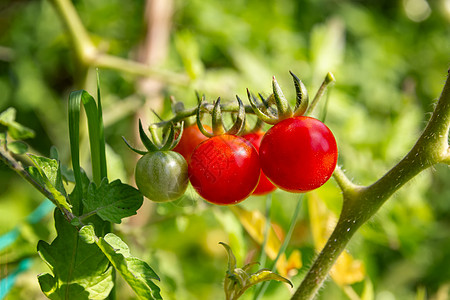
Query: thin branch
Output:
(88,54)
(84,47)
(16,166)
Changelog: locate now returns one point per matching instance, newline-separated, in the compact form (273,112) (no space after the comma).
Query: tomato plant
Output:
(298,154)
(264,185)
(190,139)
(145,63)
(224,169)
(162,175)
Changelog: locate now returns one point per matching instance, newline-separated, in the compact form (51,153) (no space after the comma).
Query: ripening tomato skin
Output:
(192,136)
(162,176)
(224,169)
(264,186)
(298,154)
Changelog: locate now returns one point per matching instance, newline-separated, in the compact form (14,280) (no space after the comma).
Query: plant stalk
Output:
(180,116)
(361,203)
(85,49)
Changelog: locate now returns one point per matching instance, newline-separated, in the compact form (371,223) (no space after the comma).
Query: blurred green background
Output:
(389,58)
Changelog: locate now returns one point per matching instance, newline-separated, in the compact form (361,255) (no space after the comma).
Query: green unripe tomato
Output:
(162,175)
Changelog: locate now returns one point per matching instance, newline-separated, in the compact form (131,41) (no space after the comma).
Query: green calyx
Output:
(276,108)
(218,127)
(154,143)
(301,103)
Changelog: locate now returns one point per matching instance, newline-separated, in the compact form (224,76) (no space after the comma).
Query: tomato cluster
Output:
(297,154)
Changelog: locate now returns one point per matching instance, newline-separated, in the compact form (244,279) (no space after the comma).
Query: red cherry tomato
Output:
(192,136)
(224,169)
(298,154)
(264,186)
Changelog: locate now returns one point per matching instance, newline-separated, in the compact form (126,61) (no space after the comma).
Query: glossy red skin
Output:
(298,154)
(192,136)
(224,169)
(264,186)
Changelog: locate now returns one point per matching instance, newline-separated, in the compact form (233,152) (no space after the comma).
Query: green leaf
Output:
(15,130)
(113,201)
(101,132)
(265,275)
(54,154)
(74,137)
(79,270)
(17,147)
(96,136)
(87,234)
(49,175)
(231,257)
(67,174)
(137,273)
(50,169)
(48,286)
(7,117)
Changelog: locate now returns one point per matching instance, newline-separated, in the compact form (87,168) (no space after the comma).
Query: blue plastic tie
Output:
(10,237)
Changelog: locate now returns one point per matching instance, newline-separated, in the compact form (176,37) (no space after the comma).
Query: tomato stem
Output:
(180,116)
(16,166)
(329,78)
